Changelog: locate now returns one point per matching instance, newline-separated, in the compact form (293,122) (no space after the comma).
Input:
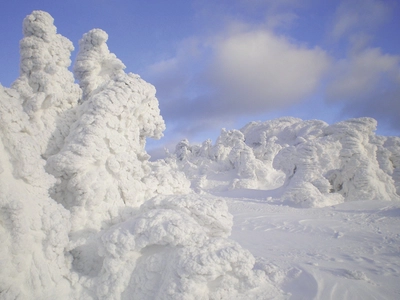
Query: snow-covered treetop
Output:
(95,64)
(45,57)
(39,24)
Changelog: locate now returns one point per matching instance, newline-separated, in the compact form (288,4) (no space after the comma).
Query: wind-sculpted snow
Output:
(389,158)
(47,90)
(84,214)
(103,165)
(359,175)
(33,227)
(299,163)
(176,248)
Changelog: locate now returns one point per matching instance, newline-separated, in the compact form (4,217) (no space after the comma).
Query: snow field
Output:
(347,251)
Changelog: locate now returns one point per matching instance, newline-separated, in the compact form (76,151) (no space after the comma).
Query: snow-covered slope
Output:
(84,214)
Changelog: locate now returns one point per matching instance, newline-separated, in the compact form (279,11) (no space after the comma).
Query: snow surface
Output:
(281,209)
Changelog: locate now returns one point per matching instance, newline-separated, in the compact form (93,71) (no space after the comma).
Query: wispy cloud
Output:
(358,16)
(368,83)
(363,73)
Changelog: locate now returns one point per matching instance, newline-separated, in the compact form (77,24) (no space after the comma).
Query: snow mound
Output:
(176,248)
(84,214)
(298,163)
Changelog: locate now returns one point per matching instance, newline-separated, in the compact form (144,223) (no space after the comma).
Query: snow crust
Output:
(84,214)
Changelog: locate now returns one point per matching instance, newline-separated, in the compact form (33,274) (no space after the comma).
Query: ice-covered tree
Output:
(321,164)
(48,92)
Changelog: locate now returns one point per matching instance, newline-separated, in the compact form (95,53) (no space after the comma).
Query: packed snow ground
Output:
(347,251)
(281,209)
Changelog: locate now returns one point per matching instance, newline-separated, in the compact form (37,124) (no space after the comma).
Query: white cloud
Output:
(368,84)
(258,70)
(364,74)
(173,75)
(163,66)
(367,81)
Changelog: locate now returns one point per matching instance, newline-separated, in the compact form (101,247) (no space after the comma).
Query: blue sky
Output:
(225,63)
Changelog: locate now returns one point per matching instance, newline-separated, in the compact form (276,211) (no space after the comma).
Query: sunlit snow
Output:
(281,209)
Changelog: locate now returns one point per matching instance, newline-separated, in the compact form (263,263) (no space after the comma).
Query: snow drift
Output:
(84,214)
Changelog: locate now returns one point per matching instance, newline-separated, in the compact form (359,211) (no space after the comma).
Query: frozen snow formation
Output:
(46,87)
(299,163)
(103,166)
(84,214)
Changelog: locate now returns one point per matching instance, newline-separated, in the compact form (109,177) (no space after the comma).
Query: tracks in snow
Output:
(350,251)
